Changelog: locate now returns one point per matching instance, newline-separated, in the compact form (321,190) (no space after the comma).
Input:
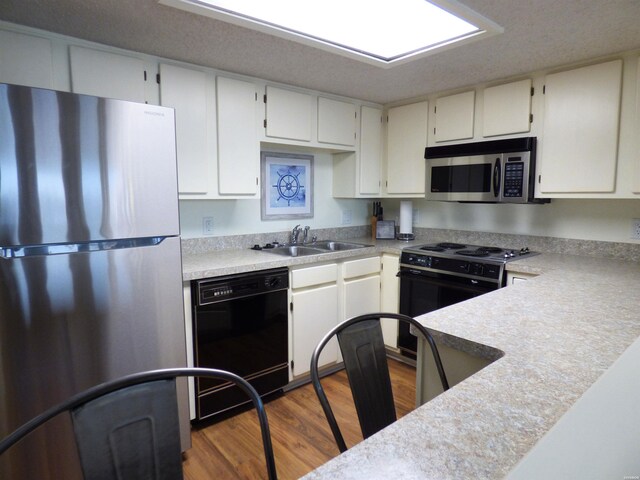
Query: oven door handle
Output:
(471,287)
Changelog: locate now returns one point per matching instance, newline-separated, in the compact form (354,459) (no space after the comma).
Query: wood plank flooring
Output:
(300,434)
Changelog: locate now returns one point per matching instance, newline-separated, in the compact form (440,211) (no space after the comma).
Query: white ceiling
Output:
(538,34)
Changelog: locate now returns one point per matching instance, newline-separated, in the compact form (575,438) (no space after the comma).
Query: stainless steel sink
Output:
(295,250)
(335,246)
(314,248)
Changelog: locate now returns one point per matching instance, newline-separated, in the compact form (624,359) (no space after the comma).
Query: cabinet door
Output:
(238,146)
(454,117)
(390,297)
(25,60)
(336,122)
(185,90)
(406,141)
(507,109)
(361,295)
(315,312)
(289,114)
(580,133)
(370,167)
(107,74)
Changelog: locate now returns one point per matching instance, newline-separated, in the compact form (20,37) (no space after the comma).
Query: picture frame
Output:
(287,186)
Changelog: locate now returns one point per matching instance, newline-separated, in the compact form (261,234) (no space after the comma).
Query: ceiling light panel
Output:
(381,32)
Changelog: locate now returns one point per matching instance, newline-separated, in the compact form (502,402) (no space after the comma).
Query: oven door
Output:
(475,178)
(423,292)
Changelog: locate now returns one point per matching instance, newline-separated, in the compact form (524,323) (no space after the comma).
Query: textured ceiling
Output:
(538,34)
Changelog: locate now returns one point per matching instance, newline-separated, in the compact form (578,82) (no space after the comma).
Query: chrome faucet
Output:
(305,234)
(294,234)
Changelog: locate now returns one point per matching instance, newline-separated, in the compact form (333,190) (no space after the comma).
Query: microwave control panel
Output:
(513,178)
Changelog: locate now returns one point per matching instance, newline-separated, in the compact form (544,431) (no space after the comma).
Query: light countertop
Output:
(559,333)
(230,261)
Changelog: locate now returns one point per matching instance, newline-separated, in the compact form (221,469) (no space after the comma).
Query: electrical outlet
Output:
(416,216)
(347,217)
(635,229)
(207,225)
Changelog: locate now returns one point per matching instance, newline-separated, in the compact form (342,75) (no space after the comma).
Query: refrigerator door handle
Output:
(67,248)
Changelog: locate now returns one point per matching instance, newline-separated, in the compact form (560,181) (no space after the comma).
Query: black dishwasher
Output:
(240,325)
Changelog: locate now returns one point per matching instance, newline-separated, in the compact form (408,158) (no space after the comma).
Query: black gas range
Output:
(437,275)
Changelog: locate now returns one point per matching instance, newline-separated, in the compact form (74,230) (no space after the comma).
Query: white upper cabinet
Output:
(104,74)
(238,145)
(454,116)
(336,122)
(406,141)
(25,60)
(507,109)
(185,90)
(371,146)
(580,133)
(359,174)
(289,114)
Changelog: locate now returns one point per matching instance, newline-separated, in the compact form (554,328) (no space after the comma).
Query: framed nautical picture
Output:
(287,186)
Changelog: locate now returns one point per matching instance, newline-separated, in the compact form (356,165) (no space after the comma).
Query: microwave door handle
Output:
(497,175)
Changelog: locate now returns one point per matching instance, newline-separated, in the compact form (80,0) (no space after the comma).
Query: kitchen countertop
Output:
(229,261)
(559,333)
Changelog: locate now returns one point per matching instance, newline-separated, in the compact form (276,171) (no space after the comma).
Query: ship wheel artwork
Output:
(288,186)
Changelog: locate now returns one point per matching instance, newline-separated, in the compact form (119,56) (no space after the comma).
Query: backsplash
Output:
(592,248)
(194,246)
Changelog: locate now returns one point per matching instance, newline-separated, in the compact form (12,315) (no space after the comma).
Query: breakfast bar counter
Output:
(558,332)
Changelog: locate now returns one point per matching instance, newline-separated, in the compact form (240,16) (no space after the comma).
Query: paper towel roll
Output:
(406,216)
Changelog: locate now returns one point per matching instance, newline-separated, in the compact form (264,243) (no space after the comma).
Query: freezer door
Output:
(68,322)
(76,168)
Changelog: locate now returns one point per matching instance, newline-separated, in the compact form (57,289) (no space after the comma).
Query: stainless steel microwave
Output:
(496,171)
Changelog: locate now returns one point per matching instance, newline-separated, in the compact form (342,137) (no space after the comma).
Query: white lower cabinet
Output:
(361,286)
(324,295)
(314,311)
(516,277)
(390,297)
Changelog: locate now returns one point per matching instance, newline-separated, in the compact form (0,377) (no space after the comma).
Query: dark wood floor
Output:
(300,434)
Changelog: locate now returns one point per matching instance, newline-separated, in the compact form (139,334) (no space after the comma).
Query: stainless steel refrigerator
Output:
(90,265)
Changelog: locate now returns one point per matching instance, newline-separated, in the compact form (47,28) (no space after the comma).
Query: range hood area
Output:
(496,171)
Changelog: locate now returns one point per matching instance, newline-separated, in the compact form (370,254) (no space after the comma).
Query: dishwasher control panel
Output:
(227,287)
